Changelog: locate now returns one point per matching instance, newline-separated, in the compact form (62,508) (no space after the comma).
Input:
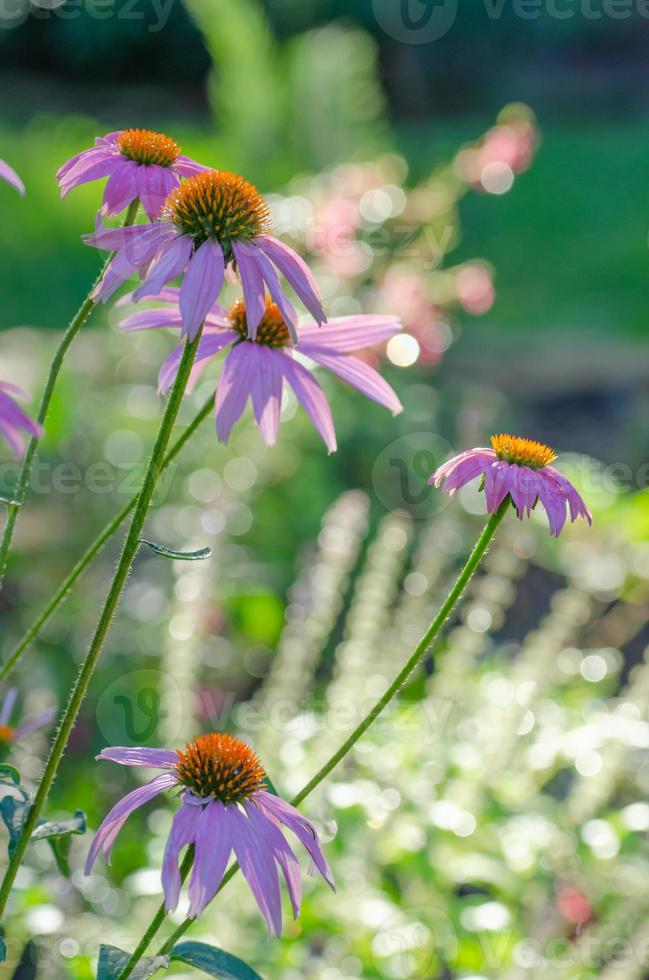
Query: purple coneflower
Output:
(138,163)
(13,419)
(258,369)
(210,220)
(9,174)
(518,467)
(225,807)
(9,734)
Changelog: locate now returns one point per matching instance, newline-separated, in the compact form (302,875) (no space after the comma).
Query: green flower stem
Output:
(68,583)
(129,551)
(75,326)
(417,655)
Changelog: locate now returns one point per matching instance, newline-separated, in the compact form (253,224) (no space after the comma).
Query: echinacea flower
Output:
(9,174)
(139,163)
(13,419)
(209,221)
(518,467)
(257,369)
(9,734)
(225,807)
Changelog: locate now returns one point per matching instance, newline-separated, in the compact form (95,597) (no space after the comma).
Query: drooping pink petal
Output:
(140,756)
(252,283)
(296,272)
(266,828)
(266,390)
(201,286)
(446,468)
(166,267)
(121,187)
(554,502)
(356,373)
(170,294)
(345,334)
(576,503)
(497,484)
(115,819)
(30,725)
(154,184)
(303,830)
(133,255)
(9,174)
(524,489)
(233,390)
(465,471)
(92,165)
(259,869)
(208,347)
(214,841)
(182,833)
(312,398)
(284,305)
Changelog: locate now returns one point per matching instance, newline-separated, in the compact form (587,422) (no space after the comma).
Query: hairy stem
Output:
(415,658)
(75,326)
(129,551)
(68,583)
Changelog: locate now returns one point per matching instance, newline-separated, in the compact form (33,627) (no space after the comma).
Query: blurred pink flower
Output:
(9,734)
(9,174)
(13,420)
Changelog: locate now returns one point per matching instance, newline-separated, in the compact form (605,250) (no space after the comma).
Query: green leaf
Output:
(3,950)
(59,828)
(213,961)
(58,834)
(160,549)
(113,960)
(13,813)
(9,774)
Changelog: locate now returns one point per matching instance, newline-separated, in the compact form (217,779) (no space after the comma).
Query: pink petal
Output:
(140,756)
(209,346)
(252,283)
(301,827)
(266,827)
(284,305)
(182,833)
(312,398)
(356,373)
(201,286)
(35,724)
(115,819)
(497,483)
(214,842)
(92,165)
(154,184)
(266,391)
(167,266)
(553,500)
(233,389)
(349,333)
(296,272)
(9,174)
(258,869)
(121,187)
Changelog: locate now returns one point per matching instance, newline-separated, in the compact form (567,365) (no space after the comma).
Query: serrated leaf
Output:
(113,960)
(213,961)
(59,828)
(160,549)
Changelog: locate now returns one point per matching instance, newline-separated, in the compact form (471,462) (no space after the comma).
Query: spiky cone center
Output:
(220,766)
(6,734)
(217,204)
(522,452)
(271,331)
(147,147)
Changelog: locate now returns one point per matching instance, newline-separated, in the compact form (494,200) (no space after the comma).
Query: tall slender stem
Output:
(68,583)
(416,656)
(75,326)
(129,551)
